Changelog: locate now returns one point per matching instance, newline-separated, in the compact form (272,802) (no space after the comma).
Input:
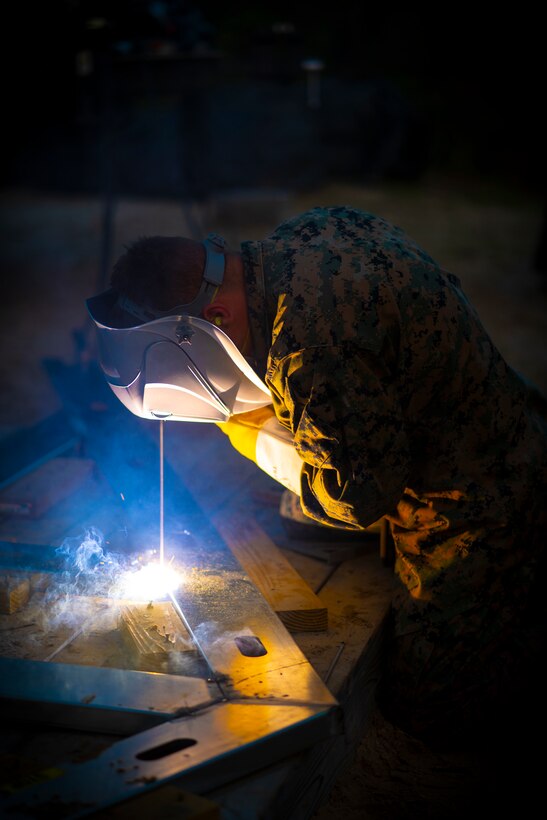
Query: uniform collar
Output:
(255,288)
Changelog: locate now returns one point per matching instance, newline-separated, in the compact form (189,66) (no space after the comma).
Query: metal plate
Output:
(113,701)
(199,753)
(253,707)
(259,700)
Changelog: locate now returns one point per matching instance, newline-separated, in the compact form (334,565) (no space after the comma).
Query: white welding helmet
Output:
(172,364)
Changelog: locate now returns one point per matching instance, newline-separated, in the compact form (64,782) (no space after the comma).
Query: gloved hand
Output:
(242,429)
(259,436)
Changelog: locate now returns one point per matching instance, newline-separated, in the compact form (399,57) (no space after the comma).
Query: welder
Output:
(348,364)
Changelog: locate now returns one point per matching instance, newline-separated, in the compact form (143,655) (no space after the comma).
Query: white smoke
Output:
(88,573)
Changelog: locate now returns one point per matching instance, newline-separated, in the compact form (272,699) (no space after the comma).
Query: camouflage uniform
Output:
(401,405)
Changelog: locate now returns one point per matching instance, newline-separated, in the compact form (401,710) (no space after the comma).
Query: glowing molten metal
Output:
(150,583)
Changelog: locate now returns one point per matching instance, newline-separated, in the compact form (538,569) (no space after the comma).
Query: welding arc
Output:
(192,634)
(174,601)
(161,497)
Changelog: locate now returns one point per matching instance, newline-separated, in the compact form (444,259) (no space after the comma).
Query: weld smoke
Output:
(88,572)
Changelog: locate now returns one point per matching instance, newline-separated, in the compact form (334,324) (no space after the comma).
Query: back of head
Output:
(159,272)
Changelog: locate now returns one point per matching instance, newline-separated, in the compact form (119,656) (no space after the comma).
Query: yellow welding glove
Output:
(258,436)
(242,429)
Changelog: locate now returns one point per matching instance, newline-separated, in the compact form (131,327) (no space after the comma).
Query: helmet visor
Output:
(176,367)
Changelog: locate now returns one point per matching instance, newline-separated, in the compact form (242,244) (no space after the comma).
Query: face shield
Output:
(173,365)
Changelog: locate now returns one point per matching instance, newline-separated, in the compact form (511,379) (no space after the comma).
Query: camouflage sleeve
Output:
(344,412)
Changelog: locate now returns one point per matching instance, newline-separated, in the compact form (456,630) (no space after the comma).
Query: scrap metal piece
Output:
(156,638)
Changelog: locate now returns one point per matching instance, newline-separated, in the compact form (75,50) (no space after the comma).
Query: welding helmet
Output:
(173,364)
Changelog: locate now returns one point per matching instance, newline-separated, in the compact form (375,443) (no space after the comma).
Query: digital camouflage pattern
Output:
(401,406)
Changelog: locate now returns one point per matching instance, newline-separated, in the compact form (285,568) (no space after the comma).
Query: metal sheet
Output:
(114,701)
(272,702)
(196,752)
(222,605)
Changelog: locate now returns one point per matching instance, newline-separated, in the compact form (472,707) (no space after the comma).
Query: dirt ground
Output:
(51,248)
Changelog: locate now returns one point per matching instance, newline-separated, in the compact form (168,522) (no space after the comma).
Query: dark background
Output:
(131,118)
(182,98)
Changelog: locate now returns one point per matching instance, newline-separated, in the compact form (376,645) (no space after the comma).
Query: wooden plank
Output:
(296,604)
(155,636)
(223,502)
(14,594)
(168,802)
(357,596)
(314,571)
(33,494)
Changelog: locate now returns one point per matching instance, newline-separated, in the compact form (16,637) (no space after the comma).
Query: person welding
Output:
(342,359)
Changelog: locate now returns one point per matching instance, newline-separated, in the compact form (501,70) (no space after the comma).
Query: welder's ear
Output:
(218,313)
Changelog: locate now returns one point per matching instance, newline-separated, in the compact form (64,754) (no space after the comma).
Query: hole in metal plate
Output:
(165,749)
(250,646)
